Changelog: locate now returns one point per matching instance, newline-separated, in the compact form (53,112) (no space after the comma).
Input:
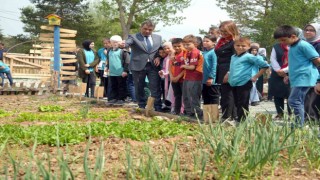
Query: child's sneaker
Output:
(111,101)
(119,102)
(232,123)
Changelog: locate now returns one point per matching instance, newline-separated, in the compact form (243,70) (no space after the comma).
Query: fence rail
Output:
(28,66)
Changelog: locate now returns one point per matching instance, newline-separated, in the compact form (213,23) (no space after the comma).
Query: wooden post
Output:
(150,104)
(82,89)
(98,92)
(210,111)
(11,65)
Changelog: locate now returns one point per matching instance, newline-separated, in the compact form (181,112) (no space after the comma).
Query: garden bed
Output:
(58,137)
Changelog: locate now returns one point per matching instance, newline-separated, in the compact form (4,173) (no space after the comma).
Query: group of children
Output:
(192,72)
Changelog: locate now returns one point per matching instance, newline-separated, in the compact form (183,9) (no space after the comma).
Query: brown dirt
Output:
(115,148)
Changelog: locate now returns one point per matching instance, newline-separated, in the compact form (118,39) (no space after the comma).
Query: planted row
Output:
(52,117)
(72,133)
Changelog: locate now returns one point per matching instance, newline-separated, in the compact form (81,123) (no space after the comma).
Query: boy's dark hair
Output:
(284,31)
(242,40)
(176,41)
(160,48)
(199,43)
(190,39)
(212,38)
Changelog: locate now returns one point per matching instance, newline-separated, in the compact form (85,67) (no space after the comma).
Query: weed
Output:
(84,111)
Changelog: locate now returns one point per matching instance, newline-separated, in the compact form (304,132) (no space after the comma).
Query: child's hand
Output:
(209,82)
(174,79)
(161,73)
(225,78)
(87,65)
(124,74)
(286,80)
(281,73)
(106,72)
(156,61)
(317,88)
(254,79)
(87,71)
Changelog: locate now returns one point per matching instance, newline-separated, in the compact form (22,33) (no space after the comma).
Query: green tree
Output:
(74,14)
(18,44)
(1,35)
(129,14)
(259,18)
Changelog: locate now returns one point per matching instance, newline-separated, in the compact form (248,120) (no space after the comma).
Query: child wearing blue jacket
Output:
(210,90)
(303,72)
(4,69)
(240,75)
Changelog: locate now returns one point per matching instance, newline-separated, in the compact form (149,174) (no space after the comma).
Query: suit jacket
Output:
(139,52)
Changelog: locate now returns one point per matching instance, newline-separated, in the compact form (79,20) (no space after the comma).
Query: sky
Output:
(201,14)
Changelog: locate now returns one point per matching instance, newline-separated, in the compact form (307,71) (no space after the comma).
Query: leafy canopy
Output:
(259,18)
(73,13)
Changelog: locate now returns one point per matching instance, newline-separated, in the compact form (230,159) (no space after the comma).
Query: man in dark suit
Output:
(144,48)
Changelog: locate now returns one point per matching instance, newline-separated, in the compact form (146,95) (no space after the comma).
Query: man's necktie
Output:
(149,46)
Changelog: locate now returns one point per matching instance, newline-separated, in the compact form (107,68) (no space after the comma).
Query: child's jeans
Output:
(191,92)
(296,102)
(8,74)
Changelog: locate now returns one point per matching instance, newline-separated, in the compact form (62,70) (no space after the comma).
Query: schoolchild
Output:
(303,72)
(102,53)
(254,93)
(192,83)
(210,90)
(162,55)
(177,73)
(279,70)
(5,70)
(240,75)
(164,74)
(117,66)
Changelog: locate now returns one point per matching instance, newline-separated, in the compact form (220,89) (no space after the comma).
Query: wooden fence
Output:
(28,66)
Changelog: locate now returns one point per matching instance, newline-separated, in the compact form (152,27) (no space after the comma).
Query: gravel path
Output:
(264,107)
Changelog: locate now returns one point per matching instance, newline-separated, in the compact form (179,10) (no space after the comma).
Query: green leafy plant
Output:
(84,111)
(4,113)
(50,108)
